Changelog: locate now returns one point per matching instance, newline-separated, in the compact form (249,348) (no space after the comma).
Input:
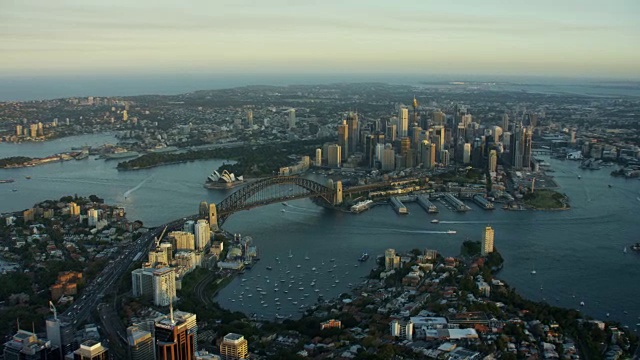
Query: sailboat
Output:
(290,254)
(306,256)
(625,250)
(533,272)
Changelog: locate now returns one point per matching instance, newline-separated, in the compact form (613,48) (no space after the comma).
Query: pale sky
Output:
(599,38)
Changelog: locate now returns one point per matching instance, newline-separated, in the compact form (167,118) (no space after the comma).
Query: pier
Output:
(399,206)
(427,205)
(482,202)
(456,203)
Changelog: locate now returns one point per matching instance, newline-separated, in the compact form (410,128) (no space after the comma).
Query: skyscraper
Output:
(466,153)
(405,146)
(493,160)
(516,147)
(505,122)
(353,133)
(334,155)
(141,344)
(403,122)
(388,162)
(438,118)
(60,332)
(175,336)
(526,146)
(343,138)
(318,159)
(164,286)
(428,154)
(202,234)
(487,241)
(444,157)
(391,132)
(234,347)
(91,350)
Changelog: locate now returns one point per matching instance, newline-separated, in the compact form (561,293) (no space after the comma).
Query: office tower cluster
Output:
(60,343)
(175,254)
(425,137)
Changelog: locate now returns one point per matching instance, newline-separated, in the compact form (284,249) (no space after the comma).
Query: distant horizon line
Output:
(58,86)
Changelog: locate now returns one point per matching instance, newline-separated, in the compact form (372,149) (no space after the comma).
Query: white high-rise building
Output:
(402,329)
(487,240)
(466,153)
(379,151)
(164,286)
(318,160)
(202,234)
(403,122)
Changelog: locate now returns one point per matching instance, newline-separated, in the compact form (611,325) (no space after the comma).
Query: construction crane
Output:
(161,235)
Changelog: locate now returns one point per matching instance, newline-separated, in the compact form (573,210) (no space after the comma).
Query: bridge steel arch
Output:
(242,199)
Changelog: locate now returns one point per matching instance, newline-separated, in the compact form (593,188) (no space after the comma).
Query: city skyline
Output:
(571,38)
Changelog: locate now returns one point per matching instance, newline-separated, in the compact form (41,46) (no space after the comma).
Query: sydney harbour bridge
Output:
(285,188)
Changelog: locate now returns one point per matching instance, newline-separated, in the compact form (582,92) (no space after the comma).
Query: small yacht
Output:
(435,221)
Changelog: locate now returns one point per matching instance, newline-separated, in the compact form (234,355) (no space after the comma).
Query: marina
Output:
(288,290)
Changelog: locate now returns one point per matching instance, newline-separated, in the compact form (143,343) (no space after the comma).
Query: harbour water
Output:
(577,254)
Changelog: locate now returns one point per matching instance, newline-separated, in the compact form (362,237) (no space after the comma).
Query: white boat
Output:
(625,250)
(283,210)
(581,303)
(290,254)
(435,221)
(451,232)
(306,257)
(533,272)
